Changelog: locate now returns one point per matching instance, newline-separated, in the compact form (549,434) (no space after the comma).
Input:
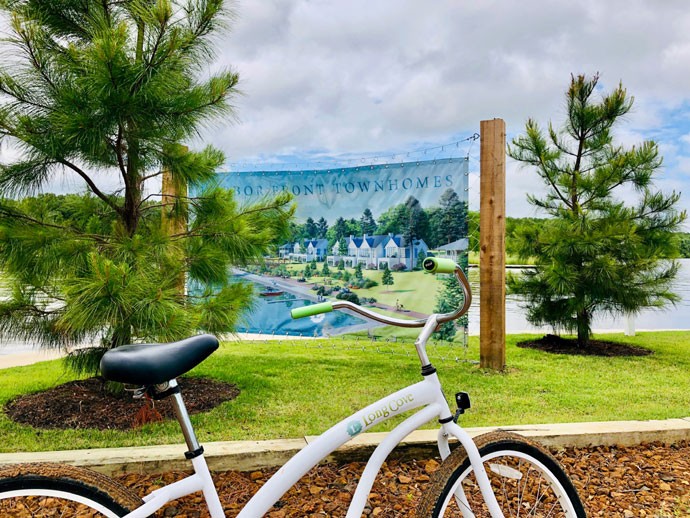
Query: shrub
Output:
(399,267)
(371,266)
(349,296)
(368,283)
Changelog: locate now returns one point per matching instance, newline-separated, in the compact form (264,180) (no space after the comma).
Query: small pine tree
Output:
(420,261)
(450,298)
(325,271)
(307,271)
(358,272)
(387,279)
(608,245)
(341,265)
(342,246)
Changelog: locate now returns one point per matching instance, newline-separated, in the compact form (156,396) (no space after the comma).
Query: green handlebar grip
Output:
(313,309)
(439,265)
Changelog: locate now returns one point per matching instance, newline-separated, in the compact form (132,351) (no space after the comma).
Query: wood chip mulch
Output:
(651,480)
(87,404)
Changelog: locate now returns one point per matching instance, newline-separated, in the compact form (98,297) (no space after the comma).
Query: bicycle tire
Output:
(45,489)
(513,464)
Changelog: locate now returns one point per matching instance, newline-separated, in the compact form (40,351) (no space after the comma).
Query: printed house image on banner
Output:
(307,250)
(375,251)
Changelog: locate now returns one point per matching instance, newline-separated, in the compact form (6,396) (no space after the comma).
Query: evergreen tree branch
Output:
(33,57)
(13,214)
(91,184)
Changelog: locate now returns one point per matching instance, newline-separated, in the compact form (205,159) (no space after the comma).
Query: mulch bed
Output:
(652,480)
(559,345)
(87,404)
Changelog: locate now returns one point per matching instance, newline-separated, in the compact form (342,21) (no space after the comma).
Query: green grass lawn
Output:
(405,289)
(297,388)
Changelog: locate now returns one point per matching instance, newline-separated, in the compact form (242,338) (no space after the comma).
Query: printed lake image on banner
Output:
(361,234)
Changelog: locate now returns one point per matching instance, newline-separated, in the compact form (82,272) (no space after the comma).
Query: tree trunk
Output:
(133,188)
(582,328)
(131,209)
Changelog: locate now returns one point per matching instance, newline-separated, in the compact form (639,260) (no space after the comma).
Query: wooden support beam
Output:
(492,263)
(173,221)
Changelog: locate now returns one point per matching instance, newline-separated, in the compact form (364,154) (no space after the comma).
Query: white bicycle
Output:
(499,474)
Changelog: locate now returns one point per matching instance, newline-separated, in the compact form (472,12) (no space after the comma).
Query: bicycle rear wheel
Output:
(525,478)
(42,490)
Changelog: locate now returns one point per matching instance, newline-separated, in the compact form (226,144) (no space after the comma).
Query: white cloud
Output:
(357,77)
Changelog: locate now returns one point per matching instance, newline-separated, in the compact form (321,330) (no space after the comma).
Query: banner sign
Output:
(342,192)
(360,235)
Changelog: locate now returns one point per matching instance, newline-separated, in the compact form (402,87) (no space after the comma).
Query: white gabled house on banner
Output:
(305,251)
(374,251)
(369,251)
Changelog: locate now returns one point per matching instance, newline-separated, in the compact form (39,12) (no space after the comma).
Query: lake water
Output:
(277,311)
(271,316)
(673,317)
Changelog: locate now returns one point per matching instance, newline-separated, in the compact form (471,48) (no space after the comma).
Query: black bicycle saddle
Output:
(151,364)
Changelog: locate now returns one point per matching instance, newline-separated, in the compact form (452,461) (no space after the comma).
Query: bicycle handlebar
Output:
(439,265)
(314,309)
(431,265)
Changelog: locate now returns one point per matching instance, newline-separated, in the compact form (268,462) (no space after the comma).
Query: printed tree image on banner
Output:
(360,234)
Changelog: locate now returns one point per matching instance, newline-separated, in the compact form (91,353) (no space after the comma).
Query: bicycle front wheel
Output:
(526,479)
(42,490)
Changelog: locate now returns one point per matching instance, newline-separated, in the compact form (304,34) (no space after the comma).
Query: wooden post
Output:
(492,263)
(173,223)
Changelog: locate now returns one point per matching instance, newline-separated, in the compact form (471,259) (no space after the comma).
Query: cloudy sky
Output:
(363,78)
(375,77)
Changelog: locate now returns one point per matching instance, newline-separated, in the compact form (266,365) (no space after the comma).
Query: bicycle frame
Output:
(426,394)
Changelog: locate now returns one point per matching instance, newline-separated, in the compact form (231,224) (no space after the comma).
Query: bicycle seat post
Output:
(185,423)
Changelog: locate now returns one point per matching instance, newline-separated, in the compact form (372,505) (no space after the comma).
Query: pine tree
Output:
(453,217)
(342,246)
(310,229)
(325,271)
(416,225)
(321,228)
(111,89)
(603,249)
(368,223)
(387,278)
(450,298)
(358,272)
